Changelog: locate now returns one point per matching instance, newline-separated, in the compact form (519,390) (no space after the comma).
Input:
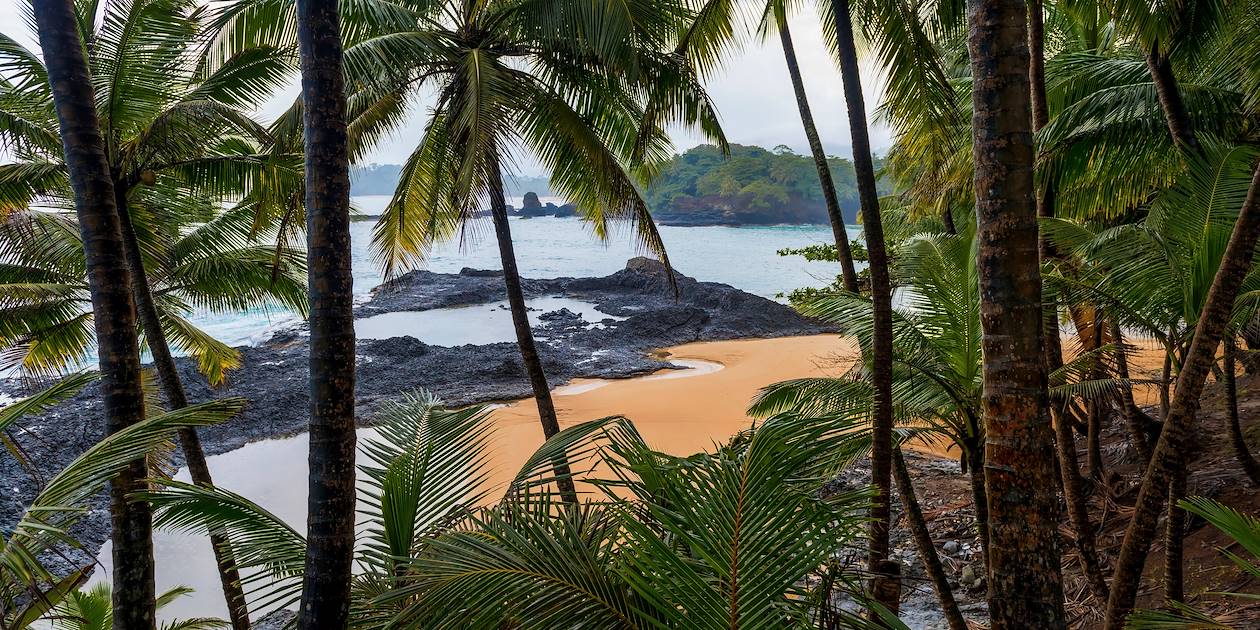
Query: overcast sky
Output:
(753,95)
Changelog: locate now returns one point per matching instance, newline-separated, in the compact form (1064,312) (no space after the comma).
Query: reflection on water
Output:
(273,474)
(476,325)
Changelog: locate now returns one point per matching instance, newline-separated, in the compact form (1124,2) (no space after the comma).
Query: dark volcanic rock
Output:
(273,376)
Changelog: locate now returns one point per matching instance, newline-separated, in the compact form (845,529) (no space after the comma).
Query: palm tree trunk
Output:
(1026,584)
(947,219)
(1165,460)
(923,540)
(114,313)
(331,494)
(524,334)
(1096,411)
(881,292)
(820,158)
(1165,387)
(177,398)
(979,497)
(1134,419)
(1078,510)
(1170,100)
(1243,454)
(1174,539)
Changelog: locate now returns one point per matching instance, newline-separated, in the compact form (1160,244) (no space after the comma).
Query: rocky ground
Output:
(273,375)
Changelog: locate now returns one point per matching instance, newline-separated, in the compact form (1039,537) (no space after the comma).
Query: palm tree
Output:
(166,112)
(937,365)
(776,17)
(29,591)
(1244,529)
(1025,577)
(109,280)
(1242,453)
(91,610)
(713,540)
(331,496)
(881,293)
(506,78)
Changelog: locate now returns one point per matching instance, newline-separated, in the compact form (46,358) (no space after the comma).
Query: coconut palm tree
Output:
(91,610)
(775,18)
(28,590)
(583,93)
(197,257)
(1024,571)
(937,363)
(69,76)
(1239,526)
(707,541)
(166,112)
(331,494)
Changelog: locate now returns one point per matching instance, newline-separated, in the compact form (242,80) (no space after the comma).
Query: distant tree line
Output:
(382,179)
(750,186)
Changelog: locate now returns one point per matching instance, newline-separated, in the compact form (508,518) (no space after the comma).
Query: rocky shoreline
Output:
(646,311)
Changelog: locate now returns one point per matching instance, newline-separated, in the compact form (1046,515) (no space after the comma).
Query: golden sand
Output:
(688,412)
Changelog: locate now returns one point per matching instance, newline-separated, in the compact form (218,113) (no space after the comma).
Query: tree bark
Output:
(881,292)
(114,316)
(979,497)
(1134,419)
(820,159)
(331,497)
(1241,452)
(1096,412)
(947,219)
(525,335)
(1175,434)
(1175,114)
(177,398)
(1025,581)
(1174,539)
(923,540)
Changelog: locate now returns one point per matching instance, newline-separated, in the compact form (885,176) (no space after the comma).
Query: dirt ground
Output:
(1214,473)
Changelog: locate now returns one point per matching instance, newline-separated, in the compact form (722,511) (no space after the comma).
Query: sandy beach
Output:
(686,411)
(677,412)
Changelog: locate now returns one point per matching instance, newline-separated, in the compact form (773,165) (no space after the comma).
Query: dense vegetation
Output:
(1094,165)
(750,186)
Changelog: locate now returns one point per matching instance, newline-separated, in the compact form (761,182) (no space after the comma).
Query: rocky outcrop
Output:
(653,311)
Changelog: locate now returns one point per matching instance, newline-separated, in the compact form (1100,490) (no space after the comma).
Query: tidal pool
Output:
(476,325)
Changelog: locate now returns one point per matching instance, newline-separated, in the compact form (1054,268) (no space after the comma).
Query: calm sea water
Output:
(548,247)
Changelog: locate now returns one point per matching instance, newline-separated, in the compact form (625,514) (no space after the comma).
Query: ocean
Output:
(548,247)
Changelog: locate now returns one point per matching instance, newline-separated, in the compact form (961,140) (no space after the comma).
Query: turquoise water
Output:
(548,247)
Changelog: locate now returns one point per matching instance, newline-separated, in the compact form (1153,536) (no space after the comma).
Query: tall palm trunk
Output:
(923,541)
(1134,419)
(979,497)
(1026,584)
(1166,459)
(881,292)
(331,497)
(177,398)
(524,334)
(1174,538)
(1175,113)
(1237,440)
(820,157)
(1073,490)
(114,315)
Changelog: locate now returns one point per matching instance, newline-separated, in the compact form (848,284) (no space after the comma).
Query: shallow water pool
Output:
(476,325)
